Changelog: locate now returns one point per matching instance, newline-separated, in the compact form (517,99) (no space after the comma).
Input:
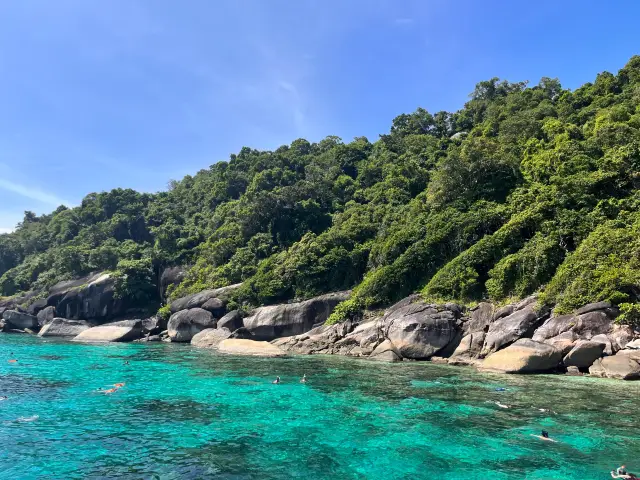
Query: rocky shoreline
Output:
(516,338)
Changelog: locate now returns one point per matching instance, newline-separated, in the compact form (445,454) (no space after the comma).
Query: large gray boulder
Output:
(184,324)
(46,315)
(506,330)
(170,277)
(231,321)
(121,331)
(274,321)
(210,337)
(481,318)
(200,299)
(553,327)
(338,339)
(19,320)
(470,345)
(523,356)
(36,306)
(623,367)
(64,327)
(593,323)
(583,354)
(563,342)
(91,297)
(420,330)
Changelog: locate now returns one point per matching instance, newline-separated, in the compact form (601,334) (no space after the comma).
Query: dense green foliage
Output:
(525,189)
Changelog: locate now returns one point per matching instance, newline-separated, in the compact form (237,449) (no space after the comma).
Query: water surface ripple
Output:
(189,413)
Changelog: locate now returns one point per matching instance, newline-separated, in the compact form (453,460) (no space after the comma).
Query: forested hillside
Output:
(526,189)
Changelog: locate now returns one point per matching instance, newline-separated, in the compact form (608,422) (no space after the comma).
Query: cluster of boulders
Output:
(516,338)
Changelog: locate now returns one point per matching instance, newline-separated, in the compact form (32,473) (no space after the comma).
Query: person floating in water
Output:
(502,405)
(13,361)
(3,398)
(126,362)
(304,378)
(621,472)
(277,380)
(118,385)
(544,436)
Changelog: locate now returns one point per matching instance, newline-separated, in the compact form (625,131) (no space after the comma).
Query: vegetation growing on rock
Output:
(525,189)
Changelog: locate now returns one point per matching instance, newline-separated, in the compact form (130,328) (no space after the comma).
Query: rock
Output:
(242,333)
(605,341)
(386,352)
(216,306)
(64,327)
(150,338)
(122,331)
(481,318)
(621,336)
(503,312)
(171,276)
(210,337)
(583,354)
(634,345)
(91,297)
(502,332)
(184,324)
(19,320)
(36,306)
(523,356)
(439,360)
(553,327)
(470,345)
(231,321)
(197,300)
(573,371)
(592,307)
(563,342)
(591,324)
(617,366)
(270,322)
(419,330)
(46,315)
(235,346)
(340,339)
(153,325)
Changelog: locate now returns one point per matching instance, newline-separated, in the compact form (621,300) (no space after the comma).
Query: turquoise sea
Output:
(189,413)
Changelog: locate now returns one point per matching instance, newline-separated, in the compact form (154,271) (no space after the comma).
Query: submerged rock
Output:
(523,356)
(64,327)
(122,331)
(234,346)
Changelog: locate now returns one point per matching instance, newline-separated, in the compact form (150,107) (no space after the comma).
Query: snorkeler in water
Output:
(545,437)
(276,381)
(304,378)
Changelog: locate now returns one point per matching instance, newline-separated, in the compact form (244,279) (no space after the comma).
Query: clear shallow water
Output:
(188,413)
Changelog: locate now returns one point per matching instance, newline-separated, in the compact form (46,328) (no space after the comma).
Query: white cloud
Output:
(32,193)
(5,230)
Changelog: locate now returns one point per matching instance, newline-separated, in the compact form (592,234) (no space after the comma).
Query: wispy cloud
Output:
(33,193)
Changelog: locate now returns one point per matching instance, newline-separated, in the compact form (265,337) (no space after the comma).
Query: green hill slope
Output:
(525,189)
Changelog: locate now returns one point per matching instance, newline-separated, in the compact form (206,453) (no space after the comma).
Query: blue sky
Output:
(131,93)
